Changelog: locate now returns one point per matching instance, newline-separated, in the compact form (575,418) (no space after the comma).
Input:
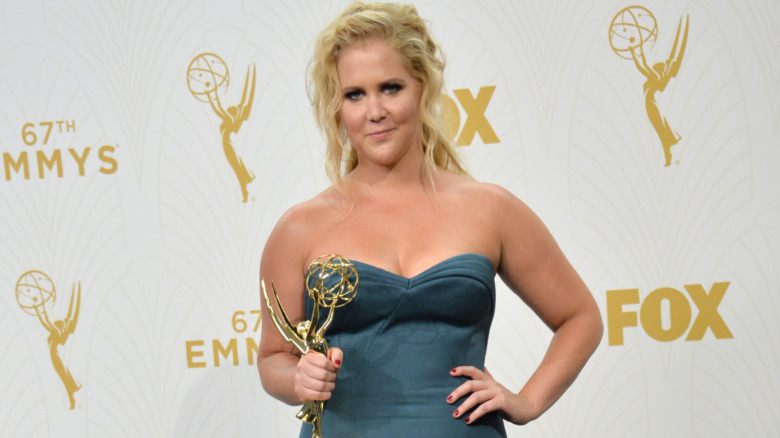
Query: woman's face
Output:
(379,104)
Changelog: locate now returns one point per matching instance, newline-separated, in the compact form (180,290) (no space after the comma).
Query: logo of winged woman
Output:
(34,292)
(632,31)
(207,77)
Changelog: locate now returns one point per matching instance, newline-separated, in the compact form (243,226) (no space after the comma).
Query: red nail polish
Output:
(453,371)
(337,362)
(468,420)
(449,399)
(455,414)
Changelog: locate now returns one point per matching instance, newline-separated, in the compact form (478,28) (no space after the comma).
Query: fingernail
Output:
(453,371)
(455,414)
(449,399)
(337,362)
(468,420)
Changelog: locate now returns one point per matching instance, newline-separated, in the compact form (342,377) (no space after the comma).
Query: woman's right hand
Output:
(315,375)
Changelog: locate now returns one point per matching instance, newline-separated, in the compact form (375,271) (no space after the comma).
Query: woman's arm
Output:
(534,267)
(283,373)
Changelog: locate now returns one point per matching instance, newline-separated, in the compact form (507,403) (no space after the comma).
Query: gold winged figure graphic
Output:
(658,77)
(232,119)
(59,331)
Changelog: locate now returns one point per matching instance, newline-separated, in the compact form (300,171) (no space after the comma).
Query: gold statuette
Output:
(331,282)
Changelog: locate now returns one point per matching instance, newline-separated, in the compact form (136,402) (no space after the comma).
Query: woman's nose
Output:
(376,109)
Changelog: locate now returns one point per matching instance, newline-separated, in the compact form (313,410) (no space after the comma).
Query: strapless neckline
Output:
(483,264)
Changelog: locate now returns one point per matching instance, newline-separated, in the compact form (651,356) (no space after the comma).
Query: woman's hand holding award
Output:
(331,282)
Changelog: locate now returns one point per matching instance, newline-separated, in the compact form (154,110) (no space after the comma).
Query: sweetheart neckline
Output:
(433,267)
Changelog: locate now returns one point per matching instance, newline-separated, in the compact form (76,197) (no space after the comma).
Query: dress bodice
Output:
(401,337)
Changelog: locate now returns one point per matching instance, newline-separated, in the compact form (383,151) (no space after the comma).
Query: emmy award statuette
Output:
(331,282)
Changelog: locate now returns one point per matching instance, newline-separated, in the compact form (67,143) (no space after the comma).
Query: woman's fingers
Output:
(483,394)
(468,371)
(477,399)
(336,356)
(315,375)
(469,386)
(478,389)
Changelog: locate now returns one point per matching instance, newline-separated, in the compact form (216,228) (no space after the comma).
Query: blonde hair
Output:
(402,29)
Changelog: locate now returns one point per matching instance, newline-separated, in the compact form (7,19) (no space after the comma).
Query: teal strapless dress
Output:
(401,337)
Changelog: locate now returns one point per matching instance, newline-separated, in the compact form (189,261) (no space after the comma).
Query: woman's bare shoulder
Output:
(310,215)
(481,194)
(302,223)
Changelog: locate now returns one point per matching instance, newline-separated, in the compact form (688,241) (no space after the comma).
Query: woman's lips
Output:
(378,135)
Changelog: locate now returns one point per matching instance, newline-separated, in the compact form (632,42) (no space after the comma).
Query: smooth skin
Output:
(390,215)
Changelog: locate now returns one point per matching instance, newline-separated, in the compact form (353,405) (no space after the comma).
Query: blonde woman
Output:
(408,353)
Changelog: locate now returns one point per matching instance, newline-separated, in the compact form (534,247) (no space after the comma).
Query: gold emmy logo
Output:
(633,30)
(207,78)
(35,292)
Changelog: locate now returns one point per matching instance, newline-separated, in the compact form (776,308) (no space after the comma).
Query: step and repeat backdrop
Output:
(148,148)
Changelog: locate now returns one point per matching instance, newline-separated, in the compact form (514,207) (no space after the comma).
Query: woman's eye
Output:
(353,95)
(392,88)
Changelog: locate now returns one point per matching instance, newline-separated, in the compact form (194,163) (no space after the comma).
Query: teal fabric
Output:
(401,337)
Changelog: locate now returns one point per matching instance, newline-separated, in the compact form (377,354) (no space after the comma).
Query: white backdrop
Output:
(145,212)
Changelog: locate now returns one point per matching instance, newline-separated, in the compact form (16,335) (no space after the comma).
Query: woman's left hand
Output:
(487,395)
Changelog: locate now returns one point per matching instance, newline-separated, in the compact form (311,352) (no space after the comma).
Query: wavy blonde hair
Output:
(402,29)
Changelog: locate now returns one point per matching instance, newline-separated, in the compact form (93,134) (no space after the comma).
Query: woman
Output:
(407,356)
